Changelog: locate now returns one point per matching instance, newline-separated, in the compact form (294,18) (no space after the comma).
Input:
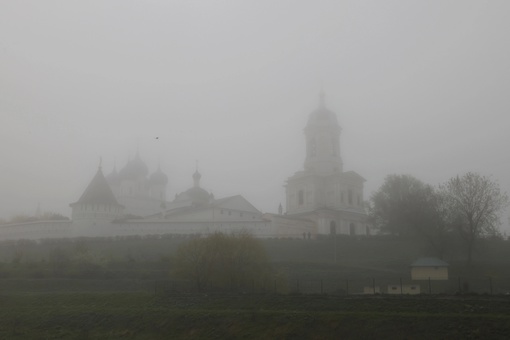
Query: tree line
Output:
(223,261)
(461,211)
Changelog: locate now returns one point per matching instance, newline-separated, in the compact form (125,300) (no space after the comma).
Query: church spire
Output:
(196,176)
(322,100)
(323,140)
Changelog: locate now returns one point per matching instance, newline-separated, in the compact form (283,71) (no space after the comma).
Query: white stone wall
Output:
(94,211)
(267,228)
(36,230)
(285,227)
(404,289)
(257,229)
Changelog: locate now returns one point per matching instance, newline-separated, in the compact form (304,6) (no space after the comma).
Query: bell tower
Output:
(323,141)
(322,192)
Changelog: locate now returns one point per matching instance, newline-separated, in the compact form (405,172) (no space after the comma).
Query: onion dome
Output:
(134,169)
(113,177)
(126,172)
(139,167)
(195,195)
(196,178)
(158,178)
(322,116)
(198,196)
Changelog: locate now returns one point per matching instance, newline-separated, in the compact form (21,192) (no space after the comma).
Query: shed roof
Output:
(429,262)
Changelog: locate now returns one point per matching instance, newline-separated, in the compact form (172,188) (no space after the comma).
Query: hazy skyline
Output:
(419,87)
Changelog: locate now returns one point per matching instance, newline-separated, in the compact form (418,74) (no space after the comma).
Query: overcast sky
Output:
(419,87)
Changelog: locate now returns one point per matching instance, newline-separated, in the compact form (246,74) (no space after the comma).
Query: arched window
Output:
(301,197)
(352,229)
(332,228)
(349,196)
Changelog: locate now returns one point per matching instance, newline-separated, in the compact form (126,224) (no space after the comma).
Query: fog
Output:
(419,87)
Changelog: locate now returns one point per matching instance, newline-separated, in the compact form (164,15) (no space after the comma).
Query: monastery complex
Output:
(321,199)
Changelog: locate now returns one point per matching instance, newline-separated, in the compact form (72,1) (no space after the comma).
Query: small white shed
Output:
(404,289)
(429,268)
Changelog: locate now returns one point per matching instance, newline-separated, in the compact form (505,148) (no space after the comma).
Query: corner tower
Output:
(96,208)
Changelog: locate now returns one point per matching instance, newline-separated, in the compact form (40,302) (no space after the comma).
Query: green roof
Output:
(429,262)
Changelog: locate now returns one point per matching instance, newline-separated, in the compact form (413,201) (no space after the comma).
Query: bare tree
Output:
(474,203)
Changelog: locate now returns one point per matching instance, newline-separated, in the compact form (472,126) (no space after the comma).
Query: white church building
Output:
(322,192)
(194,211)
(322,199)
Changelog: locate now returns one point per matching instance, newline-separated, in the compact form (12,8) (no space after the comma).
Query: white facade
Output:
(322,199)
(97,213)
(323,192)
(140,194)
(398,289)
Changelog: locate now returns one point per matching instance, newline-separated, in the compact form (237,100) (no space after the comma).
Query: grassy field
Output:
(333,266)
(123,291)
(149,316)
